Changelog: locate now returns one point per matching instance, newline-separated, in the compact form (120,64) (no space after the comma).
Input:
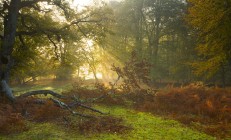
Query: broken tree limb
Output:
(7,91)
(65,106)
(85,106)
(38,92)
(59,103)
(68,107)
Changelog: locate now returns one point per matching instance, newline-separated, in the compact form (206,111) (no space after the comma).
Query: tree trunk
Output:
(10,25)
(95,75)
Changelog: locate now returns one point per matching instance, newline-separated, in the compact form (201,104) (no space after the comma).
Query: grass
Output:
(144,126)
(147,126)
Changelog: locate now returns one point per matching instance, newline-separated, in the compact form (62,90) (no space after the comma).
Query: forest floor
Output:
(124,119)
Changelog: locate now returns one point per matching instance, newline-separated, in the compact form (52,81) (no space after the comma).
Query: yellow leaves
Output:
(204,15)
(210,66)
(211,19)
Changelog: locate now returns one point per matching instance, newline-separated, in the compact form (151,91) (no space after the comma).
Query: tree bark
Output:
(7,91)
(10,25)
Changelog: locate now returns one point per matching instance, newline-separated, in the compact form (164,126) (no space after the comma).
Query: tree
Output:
(34,18)
(211,19)
(156,30)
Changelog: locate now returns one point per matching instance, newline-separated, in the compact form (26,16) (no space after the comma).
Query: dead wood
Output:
(38,92)
(65,106)
(85,106)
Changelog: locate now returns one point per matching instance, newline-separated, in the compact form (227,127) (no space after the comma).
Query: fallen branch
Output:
(44,92)
(85,106)
(65,106)
(59,103)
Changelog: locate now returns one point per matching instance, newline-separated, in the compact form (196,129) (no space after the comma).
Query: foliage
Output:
(49,35)
(134,73)
(157,32)
(211,20)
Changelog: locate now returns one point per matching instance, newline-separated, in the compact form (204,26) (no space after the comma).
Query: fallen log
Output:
(38,92)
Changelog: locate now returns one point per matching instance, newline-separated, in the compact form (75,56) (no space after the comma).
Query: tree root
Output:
(7,91)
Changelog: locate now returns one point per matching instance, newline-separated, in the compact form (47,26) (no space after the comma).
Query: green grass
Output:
(145,127)
(149,127)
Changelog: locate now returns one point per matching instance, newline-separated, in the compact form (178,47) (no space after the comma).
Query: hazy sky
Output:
(82,2)
(88,2)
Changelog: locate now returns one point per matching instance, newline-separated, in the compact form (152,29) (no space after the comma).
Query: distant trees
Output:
(156,30)
(45,36)
(183,40)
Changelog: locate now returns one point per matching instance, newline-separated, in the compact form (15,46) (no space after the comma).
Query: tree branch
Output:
(50,39)
(85,106)
(21,40)
(30,3)
(38,92)
(65,106)
(28,33)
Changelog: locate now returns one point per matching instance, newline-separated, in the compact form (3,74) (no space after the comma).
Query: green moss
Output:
(147,126)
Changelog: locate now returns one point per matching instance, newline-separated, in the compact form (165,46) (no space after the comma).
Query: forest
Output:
(115,69)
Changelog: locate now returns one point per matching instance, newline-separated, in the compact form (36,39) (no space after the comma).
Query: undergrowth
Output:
(205,109)
(140,126)
(201,108)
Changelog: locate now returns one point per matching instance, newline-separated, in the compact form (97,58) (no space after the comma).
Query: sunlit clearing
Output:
(89,42)
(88,45)
(91,76)
(84,72)
(103,70)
